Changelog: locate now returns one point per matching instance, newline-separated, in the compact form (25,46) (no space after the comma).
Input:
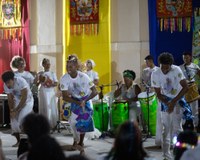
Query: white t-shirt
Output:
(190,71)
(146,74)
(92,74)
(26,75)
(19,84)
(168,83)
(78,87)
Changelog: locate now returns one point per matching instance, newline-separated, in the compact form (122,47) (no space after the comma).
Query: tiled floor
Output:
(93,148)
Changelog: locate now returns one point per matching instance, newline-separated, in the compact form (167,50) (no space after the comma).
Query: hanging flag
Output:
(84,16)
(174,15)
(10,18)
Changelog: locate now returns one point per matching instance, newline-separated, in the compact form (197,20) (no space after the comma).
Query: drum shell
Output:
(120,113)
(153,104)
(101,120)
(192,94)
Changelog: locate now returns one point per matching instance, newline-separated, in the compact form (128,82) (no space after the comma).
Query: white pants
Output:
(159,126)
(17,120)
(171,127)
(195,112)
(72,122)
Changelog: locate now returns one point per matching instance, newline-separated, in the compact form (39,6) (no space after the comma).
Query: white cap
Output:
(92,62)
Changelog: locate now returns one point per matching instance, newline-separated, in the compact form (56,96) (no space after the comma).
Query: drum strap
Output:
(187,112)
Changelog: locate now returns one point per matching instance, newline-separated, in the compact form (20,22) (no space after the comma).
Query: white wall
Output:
(46,33)
(129,36)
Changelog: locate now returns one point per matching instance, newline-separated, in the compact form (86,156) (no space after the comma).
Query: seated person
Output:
(129,92)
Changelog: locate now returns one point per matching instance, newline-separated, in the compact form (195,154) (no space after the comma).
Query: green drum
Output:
(142,97)
(120,113)
(100,121)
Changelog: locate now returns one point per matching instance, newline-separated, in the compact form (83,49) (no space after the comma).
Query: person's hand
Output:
(82,104)
(13,113)
(171,106)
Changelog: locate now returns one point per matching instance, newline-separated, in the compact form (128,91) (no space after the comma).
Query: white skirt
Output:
(48,105)
(16,121)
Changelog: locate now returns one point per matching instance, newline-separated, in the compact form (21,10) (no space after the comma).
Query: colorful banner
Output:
(84,17)
(196,42)
(10,19)
(91,46)
(174,8)
(174,15)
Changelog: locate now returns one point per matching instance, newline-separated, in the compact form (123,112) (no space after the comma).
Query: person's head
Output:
(128,143)
(8,78)
(46,64)
(185,140)
(187,57)
(46,148)
(129,77)
(149,61)
(35,126)
(90,64)
(72,65)
(165,60)
(18,63)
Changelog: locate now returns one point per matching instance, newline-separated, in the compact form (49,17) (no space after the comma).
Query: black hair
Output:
(46,148)
(45,60)
(35,125)
(149,57)
(187,53)
(166,58)
(7,75)
(189,138)
(131,72)
(128,143)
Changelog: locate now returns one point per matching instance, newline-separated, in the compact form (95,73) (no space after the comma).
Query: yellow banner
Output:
(96,46)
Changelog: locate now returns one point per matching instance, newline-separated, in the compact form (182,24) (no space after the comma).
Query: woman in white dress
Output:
(46,93)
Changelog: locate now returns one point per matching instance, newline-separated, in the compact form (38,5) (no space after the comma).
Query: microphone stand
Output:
(104,131)
(148,132)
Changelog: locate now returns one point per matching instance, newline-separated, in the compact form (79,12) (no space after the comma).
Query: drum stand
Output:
(148,108)
(60,124)
(105,133)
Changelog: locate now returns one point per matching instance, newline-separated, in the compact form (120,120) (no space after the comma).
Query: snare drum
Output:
(153,104)
(100,120)
(192,93)
(120,113)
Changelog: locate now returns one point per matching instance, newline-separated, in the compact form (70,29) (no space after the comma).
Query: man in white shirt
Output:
(146,81)
(170,86)
(190,70)
(78,89)
(20,101)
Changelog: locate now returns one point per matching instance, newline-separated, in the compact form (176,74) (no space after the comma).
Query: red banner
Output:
(174,8)
(84,11)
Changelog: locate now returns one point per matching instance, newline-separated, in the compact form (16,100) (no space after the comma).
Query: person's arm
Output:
(23,99)
(137,92)
(67,97)
(160,96)
(10,101)
(184,89)
(118,91)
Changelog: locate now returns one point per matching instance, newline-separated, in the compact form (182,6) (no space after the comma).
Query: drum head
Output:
(144,94)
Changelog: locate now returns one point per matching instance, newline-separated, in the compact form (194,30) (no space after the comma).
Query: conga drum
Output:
(150,100)
(100,115)
(120,113)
